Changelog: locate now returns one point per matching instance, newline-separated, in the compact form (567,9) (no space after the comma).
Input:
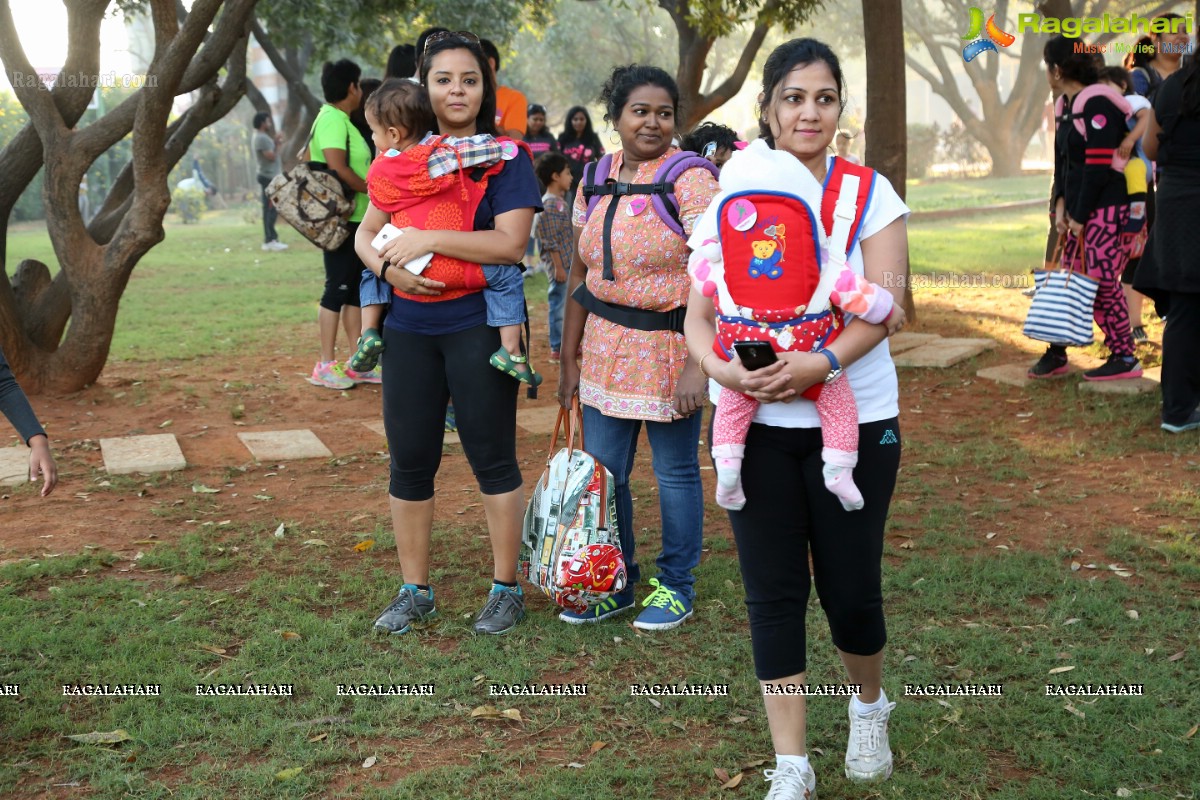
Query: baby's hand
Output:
(895,320)
(1126,147)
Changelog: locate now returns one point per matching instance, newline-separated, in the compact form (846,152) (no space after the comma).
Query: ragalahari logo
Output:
(984,37)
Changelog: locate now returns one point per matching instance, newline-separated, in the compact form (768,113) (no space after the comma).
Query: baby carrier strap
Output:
(662,192)
(844,205)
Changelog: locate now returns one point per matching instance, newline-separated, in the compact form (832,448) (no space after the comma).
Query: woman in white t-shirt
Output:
(788,512)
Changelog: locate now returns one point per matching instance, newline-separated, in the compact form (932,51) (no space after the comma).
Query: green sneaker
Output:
(366,357)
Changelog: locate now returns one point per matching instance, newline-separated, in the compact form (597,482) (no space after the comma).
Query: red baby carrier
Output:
(777,288)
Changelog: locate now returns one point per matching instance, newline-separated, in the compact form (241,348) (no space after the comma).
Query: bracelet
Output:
(383,271)
(701,365)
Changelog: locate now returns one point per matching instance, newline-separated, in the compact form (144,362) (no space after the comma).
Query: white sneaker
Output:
(868,757)
(789,783)
(278,245)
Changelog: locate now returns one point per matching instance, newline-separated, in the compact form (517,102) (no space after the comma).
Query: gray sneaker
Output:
(503,610)
(410,607)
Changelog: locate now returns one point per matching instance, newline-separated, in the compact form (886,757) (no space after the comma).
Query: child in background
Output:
(409,175)
(15,406)
(1137,178)
(555,239)
(712,141)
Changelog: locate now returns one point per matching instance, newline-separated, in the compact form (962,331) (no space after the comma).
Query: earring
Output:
(614,138)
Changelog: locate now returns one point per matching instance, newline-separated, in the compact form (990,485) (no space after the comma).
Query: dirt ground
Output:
(348,493)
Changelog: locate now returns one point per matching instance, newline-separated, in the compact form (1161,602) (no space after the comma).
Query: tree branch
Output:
(293,76)
(733,84)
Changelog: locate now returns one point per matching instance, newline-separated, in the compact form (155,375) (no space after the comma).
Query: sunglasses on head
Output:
(442,36)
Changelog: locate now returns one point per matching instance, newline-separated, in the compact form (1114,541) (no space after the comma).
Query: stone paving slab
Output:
(377,427)
(14,465)
(1149,382)
(943,353)
(157,452)
(538,420)
(284,445)
(1011,374)
(907,341)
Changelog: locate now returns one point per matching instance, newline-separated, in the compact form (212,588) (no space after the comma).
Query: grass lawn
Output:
(979,589)
(934,195)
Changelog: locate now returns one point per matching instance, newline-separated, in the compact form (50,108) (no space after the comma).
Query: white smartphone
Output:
(389,232)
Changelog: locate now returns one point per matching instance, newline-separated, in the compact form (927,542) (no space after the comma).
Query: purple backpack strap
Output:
(666,204)
(594,174)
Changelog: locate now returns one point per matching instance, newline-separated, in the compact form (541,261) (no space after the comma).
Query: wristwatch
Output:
(383,271)
(835,367)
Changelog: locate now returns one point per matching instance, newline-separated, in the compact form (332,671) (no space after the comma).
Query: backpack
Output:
(1153,81)
(662,194)
(1076,114)
(770,245)
(312,199)
(570,547)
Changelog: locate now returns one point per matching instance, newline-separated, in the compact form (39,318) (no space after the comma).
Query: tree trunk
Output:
(887,139)
(57,333)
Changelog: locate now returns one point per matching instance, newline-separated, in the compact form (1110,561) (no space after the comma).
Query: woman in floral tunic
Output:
(634,366)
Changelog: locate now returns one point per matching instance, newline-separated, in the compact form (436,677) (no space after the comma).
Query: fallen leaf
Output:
(96,737)
(364,545)
(990,536)
(1075,711)
(1177,656)
(212,649)
(290,635)
(181,580)
(597,747)
(738,719)
(166,423)
(1149,651)
(908,659)
(486,712)
(654,702)
(316,542)
(319,737)
(358,518)
(733,782)
(1072,621)
(513,714)
(1075,566)
(1123,792)
(721,774)
(574,765)
(907,544)
(1132,613)
(279,531)
(1192,732)
(754,764)
(370,762)
(1057,670)
(200,488)
(288,774)
(263,497)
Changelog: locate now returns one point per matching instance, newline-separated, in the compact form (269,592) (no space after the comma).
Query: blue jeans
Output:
(504,295)
(674,445)
(372,291)
(556,297)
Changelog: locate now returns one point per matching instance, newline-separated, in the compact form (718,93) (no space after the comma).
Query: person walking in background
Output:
(1089,192)
(15,406)
(628,289)
(788,512)
(579,143)
(266,154)
(537,135)
(1158,56)
(511,104)
(1170,268)
(402,62)
(337,143)
(555,240)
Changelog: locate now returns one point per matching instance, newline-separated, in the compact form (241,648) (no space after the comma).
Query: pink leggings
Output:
(835,407)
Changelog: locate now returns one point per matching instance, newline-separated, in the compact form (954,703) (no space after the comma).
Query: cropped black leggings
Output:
(420,374)
(789,512)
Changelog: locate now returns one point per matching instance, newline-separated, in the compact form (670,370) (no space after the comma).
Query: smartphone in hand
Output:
(389,232)
(755,355)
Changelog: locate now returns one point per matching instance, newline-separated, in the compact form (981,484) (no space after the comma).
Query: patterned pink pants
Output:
(835,406)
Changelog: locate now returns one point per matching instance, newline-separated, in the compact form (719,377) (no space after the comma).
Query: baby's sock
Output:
(839,477)
(728,458)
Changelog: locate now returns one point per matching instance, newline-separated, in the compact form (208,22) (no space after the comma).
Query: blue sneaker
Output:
(665,609)
(618,603)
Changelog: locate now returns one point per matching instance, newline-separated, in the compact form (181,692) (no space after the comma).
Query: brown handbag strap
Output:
(571,422)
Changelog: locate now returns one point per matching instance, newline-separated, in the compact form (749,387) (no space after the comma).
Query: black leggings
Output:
(788,512)
(420,373)
(343,274)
